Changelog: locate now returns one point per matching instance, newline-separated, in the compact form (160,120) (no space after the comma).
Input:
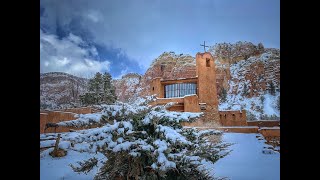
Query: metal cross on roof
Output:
(204,45)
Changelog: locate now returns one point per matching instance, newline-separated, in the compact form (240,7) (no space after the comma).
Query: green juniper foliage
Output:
(245,90)
(272,88)
(223,95)
(100,90)
(141,142)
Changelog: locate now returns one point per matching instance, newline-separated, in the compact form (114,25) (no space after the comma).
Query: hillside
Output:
(60,90)
(250,88)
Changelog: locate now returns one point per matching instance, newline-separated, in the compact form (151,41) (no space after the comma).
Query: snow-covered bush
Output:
(142,142)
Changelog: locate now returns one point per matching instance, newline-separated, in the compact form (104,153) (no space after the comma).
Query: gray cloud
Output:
(67,55)
(144,29)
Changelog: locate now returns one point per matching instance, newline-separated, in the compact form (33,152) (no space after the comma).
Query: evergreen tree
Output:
(108,89)
(245,90)
(262,98)
(100,90)
(98,86)
(260,47)
(278,103)
(223,95)
(272,88)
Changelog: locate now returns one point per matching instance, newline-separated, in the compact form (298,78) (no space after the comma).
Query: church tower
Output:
(207,90)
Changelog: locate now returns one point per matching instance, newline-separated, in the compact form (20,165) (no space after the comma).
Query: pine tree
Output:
(100,90)
(272,88)
(98,83)
(245,90)
(223,95)
(278,103)
(260,47)
(108,89)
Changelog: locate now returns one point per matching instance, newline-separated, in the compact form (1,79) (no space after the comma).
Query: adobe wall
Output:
(207,90)
(66,129)
(167,100)
(193,124)
(176,107)
(43,121)
(155,87)
(233,118)
(207,119)
(270,132)
(242,129)
(264,123)
(191,104)
(81,110)
(201,122)
(56,117)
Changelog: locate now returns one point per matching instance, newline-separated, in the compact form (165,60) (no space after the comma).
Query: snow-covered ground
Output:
(58,168)
(248,159)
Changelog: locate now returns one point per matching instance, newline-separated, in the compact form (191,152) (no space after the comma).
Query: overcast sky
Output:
(82,37)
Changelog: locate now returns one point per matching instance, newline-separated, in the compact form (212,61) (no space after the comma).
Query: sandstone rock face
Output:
(256,73)
(128,87)
(233,53)
(245,63)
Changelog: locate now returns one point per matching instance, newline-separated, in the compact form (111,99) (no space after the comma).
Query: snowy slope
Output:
(258,100)
(59,90)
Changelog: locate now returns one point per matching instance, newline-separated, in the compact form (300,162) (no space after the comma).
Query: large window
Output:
(180,90)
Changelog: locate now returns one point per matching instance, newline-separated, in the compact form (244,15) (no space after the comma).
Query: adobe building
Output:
(196,94)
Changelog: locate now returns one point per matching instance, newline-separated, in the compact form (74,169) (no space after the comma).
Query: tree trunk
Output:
(56,147)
